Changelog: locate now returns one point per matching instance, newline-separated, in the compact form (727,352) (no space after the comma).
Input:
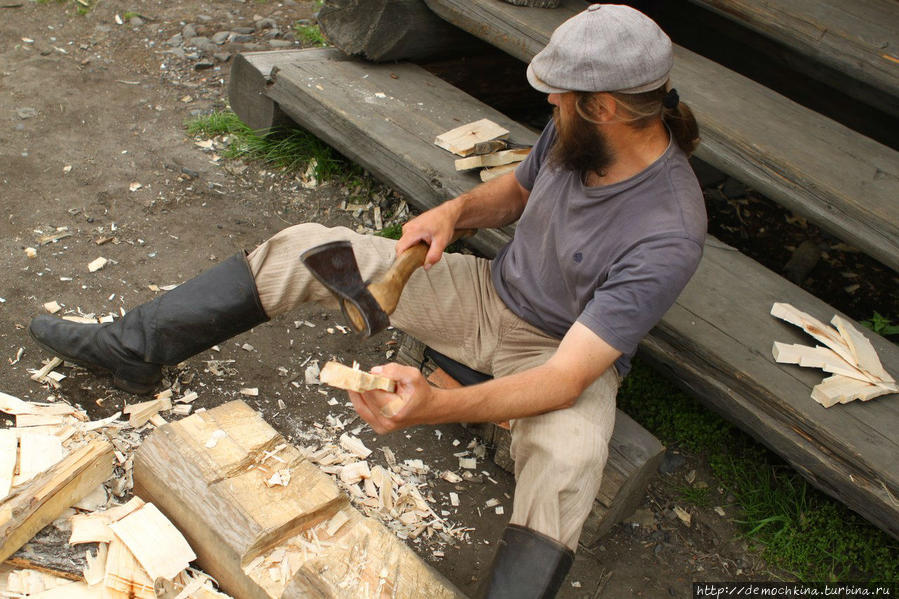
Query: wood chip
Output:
(334,524)
(250,391)
(155,542)
(52,307)
(354,445)
(97,264)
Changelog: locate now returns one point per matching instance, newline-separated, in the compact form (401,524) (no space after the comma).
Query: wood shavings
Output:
(847,354)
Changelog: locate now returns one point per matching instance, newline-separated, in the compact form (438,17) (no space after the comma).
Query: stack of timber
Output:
(208,473)
(716,340)
(859,39)
(842,181)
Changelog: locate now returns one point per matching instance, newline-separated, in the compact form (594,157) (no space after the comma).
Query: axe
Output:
(366,306)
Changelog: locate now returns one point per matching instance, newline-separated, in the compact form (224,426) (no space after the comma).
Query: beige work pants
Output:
(453,308)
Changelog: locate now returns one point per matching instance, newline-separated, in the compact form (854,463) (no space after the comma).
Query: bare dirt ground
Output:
(92,143)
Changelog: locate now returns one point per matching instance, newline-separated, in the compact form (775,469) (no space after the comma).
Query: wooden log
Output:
(241,529)
(842,181)
(387,30)
(246,91)
(860,42)
(39,502)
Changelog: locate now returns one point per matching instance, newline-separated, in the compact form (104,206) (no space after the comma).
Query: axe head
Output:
(335,267)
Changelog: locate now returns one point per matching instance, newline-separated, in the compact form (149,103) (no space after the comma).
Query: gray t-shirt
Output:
(613,258)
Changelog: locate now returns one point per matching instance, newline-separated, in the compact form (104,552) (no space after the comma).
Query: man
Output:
(611,227)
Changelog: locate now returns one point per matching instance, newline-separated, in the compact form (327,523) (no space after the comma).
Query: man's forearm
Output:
(493,204)
(528,393)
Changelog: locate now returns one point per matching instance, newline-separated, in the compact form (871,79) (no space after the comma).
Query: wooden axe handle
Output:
(387,289)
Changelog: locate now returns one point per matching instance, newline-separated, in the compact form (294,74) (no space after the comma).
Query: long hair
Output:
(642,109)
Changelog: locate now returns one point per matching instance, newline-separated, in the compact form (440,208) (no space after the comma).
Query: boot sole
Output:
(123,384)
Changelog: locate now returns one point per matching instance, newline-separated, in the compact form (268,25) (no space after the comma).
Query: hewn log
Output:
(385,30)
(208,474)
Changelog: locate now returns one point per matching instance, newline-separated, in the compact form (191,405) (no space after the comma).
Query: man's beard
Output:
(580,146)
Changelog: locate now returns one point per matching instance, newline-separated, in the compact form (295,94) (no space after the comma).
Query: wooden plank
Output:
(343,377)
(842,181)
(716,339)
(463,139)
(44,498)
(236,524)
(861,39)
(495,159)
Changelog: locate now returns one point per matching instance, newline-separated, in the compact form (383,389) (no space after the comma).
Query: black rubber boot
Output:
(213,306)
(527,565)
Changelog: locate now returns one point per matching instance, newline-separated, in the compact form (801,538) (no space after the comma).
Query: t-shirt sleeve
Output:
(526,172)
(640,288)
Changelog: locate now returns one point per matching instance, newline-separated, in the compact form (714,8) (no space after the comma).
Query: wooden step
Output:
(634,454)
(860,39)
(717,338)
(842,181)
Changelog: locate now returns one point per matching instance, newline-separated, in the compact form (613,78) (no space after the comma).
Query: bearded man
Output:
(611,224)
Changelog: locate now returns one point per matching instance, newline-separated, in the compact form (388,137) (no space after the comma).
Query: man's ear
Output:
(603,107)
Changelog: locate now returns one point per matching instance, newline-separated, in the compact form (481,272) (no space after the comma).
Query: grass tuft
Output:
(796,527)
(310,35)
(294,150)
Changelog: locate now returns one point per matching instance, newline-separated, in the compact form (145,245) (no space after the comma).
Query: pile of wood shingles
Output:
(49,462)
(856,371)
(483,144)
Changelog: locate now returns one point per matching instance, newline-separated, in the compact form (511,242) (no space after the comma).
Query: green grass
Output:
(795,527)
(292,150)
(310,34)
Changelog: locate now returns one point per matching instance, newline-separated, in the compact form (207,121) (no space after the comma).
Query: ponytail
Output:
(644,108)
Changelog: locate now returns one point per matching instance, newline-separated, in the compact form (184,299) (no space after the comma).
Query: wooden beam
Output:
(44,498)
(242,530)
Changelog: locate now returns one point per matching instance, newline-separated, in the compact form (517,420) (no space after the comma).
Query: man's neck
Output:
(634,151)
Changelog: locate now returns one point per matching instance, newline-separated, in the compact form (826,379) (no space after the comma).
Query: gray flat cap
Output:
(606,48)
